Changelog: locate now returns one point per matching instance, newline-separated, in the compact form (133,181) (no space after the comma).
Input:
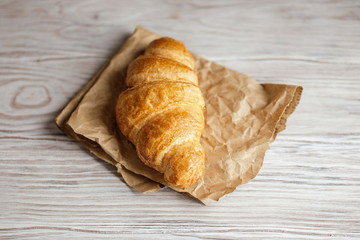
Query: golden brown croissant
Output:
(162,113)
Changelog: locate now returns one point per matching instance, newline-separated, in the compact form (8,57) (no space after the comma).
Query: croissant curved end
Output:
(185,164)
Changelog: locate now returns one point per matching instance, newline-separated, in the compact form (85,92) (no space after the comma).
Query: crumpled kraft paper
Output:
(242,118)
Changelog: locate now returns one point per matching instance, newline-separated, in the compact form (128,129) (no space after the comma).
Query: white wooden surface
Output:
(309,186)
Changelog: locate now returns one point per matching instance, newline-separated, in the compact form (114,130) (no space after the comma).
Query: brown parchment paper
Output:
(242,118)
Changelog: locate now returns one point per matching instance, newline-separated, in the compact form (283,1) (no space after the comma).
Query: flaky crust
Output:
(146,69)
(162,113)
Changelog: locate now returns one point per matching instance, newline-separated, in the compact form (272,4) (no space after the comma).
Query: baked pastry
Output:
(162,112)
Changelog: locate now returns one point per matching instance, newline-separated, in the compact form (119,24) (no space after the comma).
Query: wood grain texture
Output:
(308,188)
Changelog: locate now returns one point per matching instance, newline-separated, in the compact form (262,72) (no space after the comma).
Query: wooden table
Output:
(309,186)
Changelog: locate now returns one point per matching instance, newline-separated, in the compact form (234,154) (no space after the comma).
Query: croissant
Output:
(162,112)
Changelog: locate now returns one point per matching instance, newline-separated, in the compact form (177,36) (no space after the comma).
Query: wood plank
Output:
(308,187)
